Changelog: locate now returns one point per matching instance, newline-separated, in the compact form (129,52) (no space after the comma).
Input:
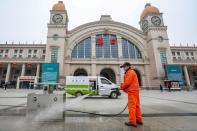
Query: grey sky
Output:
(26,20)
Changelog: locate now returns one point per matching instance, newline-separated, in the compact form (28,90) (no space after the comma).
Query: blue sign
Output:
(174,72)
(50,72)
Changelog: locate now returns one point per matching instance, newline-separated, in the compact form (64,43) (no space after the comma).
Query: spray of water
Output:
(57,109)
(33,122)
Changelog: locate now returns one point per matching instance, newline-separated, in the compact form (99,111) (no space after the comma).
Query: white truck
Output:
(92,85)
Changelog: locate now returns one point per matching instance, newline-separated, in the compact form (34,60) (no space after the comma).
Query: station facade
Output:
(98,49)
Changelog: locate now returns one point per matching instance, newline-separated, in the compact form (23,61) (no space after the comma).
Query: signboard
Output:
(27,78)
(50,72)
(174,73)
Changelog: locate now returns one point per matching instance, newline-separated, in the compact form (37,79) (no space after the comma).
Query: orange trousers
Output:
(135,114)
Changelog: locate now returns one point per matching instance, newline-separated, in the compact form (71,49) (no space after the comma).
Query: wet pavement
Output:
(162,111)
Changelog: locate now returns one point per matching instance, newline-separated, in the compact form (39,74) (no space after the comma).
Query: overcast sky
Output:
(26,20)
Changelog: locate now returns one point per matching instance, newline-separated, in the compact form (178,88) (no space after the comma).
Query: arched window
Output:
(82,49)
(106,46)
(129,50)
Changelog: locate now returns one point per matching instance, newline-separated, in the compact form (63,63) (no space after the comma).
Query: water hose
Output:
(97,114)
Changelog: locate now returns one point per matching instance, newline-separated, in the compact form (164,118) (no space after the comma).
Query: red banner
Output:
(113,41)
(99,41)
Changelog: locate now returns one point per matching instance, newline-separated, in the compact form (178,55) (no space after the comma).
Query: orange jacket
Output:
(130,81)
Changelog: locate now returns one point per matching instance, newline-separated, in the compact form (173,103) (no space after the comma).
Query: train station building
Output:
(99,48)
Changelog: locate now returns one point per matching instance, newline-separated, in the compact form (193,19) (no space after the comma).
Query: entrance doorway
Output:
(80,72)
(139,77)
(109,74)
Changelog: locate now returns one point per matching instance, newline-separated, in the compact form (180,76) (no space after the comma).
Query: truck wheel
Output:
(114,95)
(77,94)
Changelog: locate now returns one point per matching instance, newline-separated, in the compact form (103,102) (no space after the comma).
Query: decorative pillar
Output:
(37,74)
(147,76)
(119,40)
(93,45)
(67,69)
(23,70)
(22,74)
(18,83)
(8,73)
(93,69)
(38,70)
(186,77)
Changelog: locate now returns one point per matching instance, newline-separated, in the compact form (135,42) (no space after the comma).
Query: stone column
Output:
(37,74)
(67,69)
(23,70)
(22,74)
(18,83)
(8,73)
(93,69)
(119,40)
(38,70)
(93,43)
(187,77)
(147,76)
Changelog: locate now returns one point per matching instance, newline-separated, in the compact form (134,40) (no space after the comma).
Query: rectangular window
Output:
(99,48)
(54,55)
(132,51)
(88,48)
(6,51)
(106,46)
(114,46)
(1,53)
(163,56)
(81,50)
(34,56)
(30,51)
(21,51)
(15,51)
(35,51)
(43,56)
(125,49)
(44,51)
(187,53)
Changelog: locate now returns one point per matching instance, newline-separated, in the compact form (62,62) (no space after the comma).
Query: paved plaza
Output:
(162,111)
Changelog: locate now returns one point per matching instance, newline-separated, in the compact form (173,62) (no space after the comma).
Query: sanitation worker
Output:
(131,87)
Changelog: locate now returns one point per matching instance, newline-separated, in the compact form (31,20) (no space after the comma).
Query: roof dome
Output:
(59,6)
(149,9)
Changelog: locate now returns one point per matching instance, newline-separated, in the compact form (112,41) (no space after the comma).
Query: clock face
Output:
(57,18)
(160,39)
(55,37)
(144,25)
(156,20)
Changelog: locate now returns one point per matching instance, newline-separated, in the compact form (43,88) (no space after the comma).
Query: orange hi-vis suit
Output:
(131,87)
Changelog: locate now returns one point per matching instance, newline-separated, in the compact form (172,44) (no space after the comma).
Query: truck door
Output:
(104,86)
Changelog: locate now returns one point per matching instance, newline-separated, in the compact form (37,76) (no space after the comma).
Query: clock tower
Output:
(56,38)
(152,24)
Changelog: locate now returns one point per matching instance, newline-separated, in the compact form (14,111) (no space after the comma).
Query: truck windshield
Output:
(104,81)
